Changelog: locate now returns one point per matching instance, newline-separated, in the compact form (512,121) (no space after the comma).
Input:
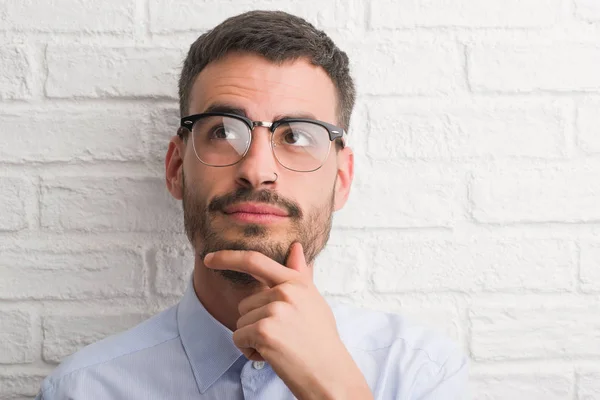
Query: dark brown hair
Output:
(277,36)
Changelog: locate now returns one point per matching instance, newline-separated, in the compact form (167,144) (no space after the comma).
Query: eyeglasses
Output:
(223,139)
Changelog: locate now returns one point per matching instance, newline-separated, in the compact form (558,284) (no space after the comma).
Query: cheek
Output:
(211,182)
(198,181)
(318,188)
(329,174)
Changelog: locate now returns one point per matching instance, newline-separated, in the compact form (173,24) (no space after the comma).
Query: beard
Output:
(311,230)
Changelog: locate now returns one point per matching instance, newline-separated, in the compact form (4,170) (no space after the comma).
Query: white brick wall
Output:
(468,13)
(589,386)
(15,78)
(529,68)
(475,210)
(116,72)
(541,386)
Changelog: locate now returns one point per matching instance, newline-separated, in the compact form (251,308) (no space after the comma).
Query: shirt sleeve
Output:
(450,382)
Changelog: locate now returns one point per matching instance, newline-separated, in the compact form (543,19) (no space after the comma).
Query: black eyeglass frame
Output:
(335,132)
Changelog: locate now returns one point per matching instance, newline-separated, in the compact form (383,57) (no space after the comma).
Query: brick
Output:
(588,127)
(34,274)
(407,68)
(537,332)
(82,135)
(588,10)
(479,265)
(66,334)
(191,15)
(540,194)
(342,266)
(13,193)
(67,16)
(476,130)
(174,267)
(589,386)
(164,124)
(539,386)
(518,68)
(463,13)
(100,72)
(114,204)
(19,385)
(16,340)
(590,267)
(428,197)
(359,127)
(15,73)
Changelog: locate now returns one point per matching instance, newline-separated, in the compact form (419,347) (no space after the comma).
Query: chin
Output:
(277,250)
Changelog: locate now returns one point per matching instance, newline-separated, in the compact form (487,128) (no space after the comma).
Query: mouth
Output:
(255,213)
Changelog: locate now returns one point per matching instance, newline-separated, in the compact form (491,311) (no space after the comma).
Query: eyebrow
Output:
(226,108)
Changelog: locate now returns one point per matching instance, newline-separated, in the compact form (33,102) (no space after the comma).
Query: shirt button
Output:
(258,364)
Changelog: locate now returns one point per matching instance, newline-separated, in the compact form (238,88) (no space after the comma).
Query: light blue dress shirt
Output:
(184,353)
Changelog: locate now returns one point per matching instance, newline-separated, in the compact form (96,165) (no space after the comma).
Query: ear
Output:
(345,175)
(174,167)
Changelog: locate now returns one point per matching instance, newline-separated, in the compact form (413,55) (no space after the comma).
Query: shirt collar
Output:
(207,343)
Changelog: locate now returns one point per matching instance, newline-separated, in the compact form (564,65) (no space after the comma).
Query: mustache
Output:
(270,197)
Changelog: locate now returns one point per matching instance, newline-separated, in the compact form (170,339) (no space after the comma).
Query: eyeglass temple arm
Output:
(343,136)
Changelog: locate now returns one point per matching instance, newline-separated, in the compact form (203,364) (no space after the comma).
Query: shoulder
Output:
(153,332)
(401,347)
(372,329)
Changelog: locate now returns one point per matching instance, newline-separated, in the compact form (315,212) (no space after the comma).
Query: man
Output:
(260,162)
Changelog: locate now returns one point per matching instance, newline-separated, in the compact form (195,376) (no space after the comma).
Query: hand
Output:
(291,326)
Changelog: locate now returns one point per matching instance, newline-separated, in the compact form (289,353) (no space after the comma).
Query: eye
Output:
(222,133)
(296,137)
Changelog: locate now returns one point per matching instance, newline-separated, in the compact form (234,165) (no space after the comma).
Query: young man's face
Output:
(265,92)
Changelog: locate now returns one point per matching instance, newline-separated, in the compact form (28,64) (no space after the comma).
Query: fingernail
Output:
(208,257)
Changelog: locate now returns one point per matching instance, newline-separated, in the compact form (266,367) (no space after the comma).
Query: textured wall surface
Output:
(475,209)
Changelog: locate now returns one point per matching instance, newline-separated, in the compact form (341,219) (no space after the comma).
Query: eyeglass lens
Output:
(222,141)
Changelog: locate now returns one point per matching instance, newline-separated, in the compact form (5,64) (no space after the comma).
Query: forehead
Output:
(264,89)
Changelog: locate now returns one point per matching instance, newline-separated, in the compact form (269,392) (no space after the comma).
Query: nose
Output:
(259,167)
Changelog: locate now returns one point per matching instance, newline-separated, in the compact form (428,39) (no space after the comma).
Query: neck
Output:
(219,296)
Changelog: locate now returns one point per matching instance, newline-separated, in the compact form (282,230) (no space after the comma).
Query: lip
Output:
(251,218)
(256,209)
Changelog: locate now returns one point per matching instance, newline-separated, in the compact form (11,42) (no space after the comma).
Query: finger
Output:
(255,336)
(296,260)
(275,309)
(286,292)
(261,267)
(252,354)
(256,300)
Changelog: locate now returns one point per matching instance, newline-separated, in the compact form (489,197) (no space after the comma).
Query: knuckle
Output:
(276,308)
(263,330)
(240,340)
(285,292)
(250,257)
(239,323)
(242,306)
